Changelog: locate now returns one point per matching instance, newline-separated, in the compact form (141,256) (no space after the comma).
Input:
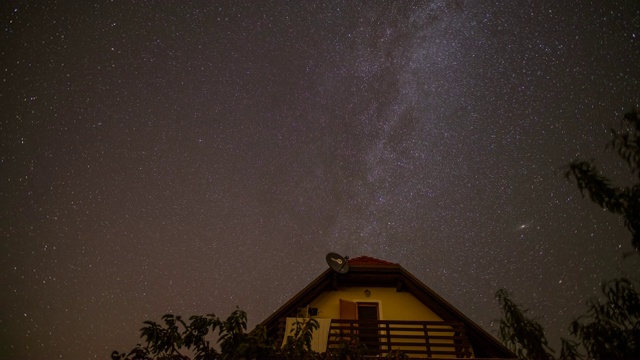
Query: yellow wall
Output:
(392,305)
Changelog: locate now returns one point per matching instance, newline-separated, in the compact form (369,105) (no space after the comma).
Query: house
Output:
(384,307)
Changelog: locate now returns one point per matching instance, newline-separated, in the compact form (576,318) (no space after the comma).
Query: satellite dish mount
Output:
(338,263)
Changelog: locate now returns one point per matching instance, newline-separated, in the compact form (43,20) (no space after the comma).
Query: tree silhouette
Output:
(610,328)
(169,341)
(620,200)
(522,335)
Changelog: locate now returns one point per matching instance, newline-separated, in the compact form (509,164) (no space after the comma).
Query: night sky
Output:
(194,156)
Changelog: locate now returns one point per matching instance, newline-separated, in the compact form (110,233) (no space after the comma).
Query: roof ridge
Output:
(368,260)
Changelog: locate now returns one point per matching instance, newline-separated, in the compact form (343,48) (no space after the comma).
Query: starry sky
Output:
(194,156)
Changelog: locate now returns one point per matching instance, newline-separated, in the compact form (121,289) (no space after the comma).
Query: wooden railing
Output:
(414,338)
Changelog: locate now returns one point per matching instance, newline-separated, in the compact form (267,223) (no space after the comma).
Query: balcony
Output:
(417,339)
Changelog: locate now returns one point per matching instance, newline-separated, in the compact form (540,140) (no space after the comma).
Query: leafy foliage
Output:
(350,348)
(397,355)
(168,341)
(257,345)
(232,334)
(522,335)
(624,201)
(625,141)
(164,342)
(195,336)
(610,328)
(298,345)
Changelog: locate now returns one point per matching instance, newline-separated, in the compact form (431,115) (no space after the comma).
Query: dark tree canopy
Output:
(177,339)
(620,200)
(522,335)
(610,328)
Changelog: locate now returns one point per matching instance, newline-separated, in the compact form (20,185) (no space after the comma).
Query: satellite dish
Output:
(338,263)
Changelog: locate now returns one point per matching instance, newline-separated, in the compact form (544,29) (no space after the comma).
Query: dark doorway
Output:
(368,332)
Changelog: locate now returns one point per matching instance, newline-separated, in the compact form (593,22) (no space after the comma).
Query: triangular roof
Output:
(368,271)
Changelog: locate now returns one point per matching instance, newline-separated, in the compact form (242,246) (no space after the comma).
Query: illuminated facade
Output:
(383,307)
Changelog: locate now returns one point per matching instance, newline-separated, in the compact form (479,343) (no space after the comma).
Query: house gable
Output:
(386,282)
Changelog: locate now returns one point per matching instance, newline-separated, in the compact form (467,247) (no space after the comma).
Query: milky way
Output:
(191,157)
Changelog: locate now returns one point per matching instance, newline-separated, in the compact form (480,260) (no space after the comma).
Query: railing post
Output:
(352,329)
(388,330)
(426,340)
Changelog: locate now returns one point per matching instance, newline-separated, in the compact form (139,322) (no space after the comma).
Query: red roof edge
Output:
(369,261)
